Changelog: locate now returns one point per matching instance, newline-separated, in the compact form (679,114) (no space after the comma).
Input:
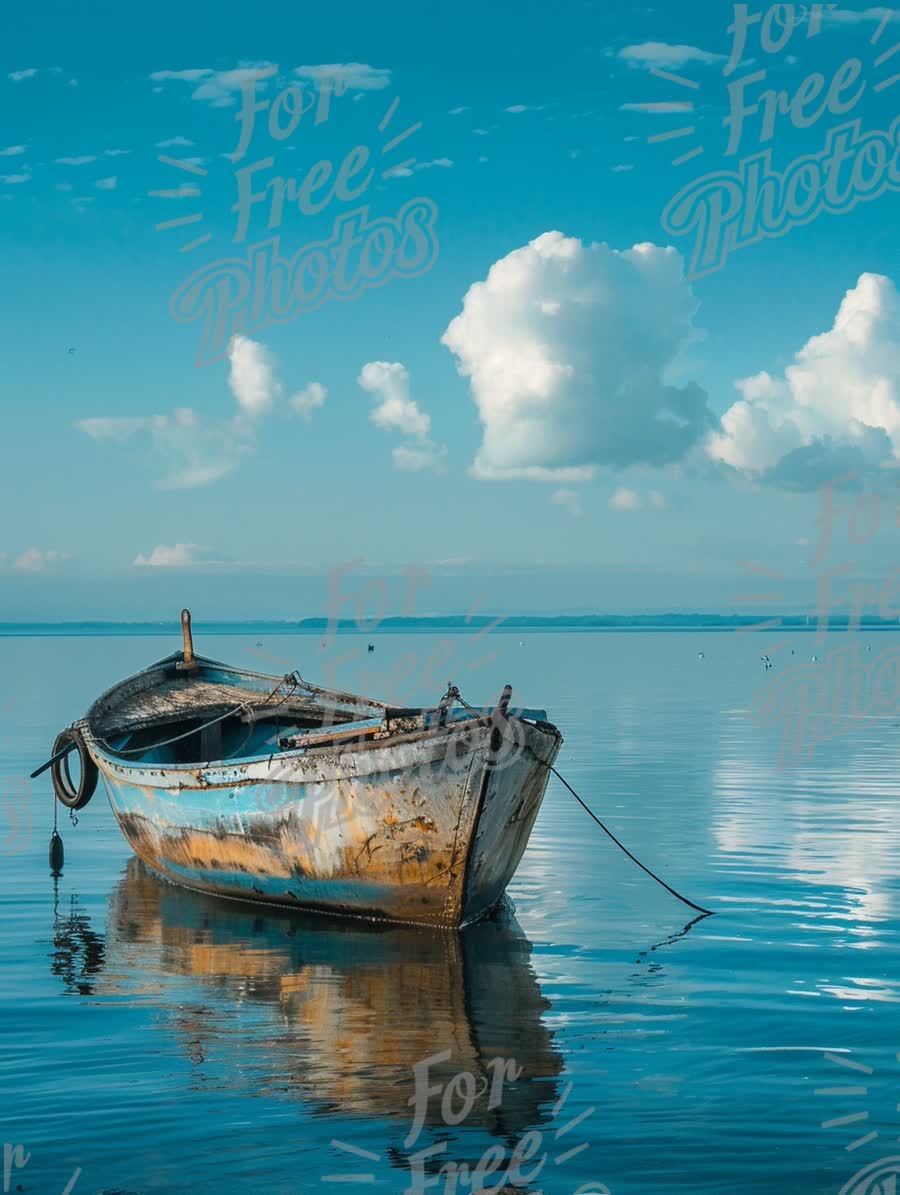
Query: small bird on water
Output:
(767,662)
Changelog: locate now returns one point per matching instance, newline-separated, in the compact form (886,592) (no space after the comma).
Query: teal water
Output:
(155,1040)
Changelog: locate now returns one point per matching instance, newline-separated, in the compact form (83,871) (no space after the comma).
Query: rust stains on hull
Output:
(425,828)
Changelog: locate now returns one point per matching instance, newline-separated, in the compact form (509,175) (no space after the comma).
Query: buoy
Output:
(57,854)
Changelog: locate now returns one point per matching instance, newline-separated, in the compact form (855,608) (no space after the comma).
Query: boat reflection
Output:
(335,1013)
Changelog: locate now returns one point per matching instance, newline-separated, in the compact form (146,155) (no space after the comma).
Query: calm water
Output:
(162,1041)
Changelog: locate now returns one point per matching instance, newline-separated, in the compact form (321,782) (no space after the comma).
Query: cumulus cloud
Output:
(106,184)
(389,383)
(835,409)
(12,151)
(251,377)
(660,54)
(11,180)
(18,76)
(81,160)
(34,560)
(309,399)
(567,348)
(395,410)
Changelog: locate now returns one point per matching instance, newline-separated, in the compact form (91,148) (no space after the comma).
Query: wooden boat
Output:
(273,789)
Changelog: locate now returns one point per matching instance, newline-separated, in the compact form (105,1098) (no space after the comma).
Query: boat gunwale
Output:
(116,765)
(430,734)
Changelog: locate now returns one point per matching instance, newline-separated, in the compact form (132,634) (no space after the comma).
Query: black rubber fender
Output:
(66,792)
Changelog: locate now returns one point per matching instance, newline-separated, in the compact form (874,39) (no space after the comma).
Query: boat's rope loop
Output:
(625,850)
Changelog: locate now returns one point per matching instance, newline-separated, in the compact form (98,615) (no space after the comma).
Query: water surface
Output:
(160,1040)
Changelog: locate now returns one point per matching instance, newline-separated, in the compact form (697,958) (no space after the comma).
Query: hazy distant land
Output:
(464,624)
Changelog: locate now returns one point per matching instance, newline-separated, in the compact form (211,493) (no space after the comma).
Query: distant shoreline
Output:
(458,624)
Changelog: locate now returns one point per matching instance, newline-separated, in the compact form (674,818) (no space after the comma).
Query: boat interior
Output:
(171,715)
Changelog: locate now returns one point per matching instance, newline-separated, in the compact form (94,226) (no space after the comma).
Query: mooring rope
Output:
(684,900)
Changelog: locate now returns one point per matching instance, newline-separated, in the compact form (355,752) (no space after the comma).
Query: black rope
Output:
(653,876)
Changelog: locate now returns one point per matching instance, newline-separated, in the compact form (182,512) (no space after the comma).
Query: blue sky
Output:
(564,444)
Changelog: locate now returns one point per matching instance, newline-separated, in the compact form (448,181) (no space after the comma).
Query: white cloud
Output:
(660,108)
(64,187)
(620,169)
(835,409)
(34,560)
(18,76)
(79,161)
(567,348)
(417,457)
(12,151)
(347,76)
(182,191)
(192,451)
(163,556)
(847,16)
(395,410)
(388,383)
(197,450)
(188,76)
(12,180)
(122,427)
(116,153)
(172,142)
(571,476)
(252,375)
(458,111)
(220,89)
(407,172)
(517,108)
(660,54)
(309,399)
(106,184)
(625,499)
(569,501)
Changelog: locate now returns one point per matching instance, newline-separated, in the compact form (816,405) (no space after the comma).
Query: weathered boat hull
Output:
(423,828)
